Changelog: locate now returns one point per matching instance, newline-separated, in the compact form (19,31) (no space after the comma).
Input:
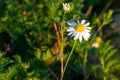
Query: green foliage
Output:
(103,19)
(4,62)
(108,60)
(28,38)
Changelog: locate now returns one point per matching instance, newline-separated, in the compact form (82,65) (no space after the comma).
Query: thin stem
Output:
(62,43)
(52,72)
(61,66)
(103,68)
(61,59)
(85,61)
(68,59)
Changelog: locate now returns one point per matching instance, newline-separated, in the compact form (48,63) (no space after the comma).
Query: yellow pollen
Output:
(79,27)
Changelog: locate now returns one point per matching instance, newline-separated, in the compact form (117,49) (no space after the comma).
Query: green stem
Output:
(62,43)
(85,61)
(62,32)
(68,60)
(103,68)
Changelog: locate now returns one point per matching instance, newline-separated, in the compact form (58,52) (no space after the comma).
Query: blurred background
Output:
(28,40)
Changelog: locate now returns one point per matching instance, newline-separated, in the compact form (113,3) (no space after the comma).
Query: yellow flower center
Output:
(79,27)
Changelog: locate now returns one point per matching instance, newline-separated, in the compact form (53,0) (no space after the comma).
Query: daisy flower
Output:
(79,30)
(66,7)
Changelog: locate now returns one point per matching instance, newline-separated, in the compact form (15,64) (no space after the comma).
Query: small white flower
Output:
(95,45)
(79,30)
(66,6)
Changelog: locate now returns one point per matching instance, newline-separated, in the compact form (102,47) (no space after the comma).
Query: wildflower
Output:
(97,42)
(79,30)
(95,45)
(66,7)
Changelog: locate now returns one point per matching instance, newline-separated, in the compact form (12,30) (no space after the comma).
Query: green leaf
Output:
(111,54)
(47,55)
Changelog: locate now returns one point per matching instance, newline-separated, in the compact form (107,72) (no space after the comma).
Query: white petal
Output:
(87,24)
(63,4)
(70,29)
(84,36)
(76,36)
(80,37)
(70,33)
(83,22)
(74,33)
(72,24)
(87,35)
(87,27)
(87,30)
